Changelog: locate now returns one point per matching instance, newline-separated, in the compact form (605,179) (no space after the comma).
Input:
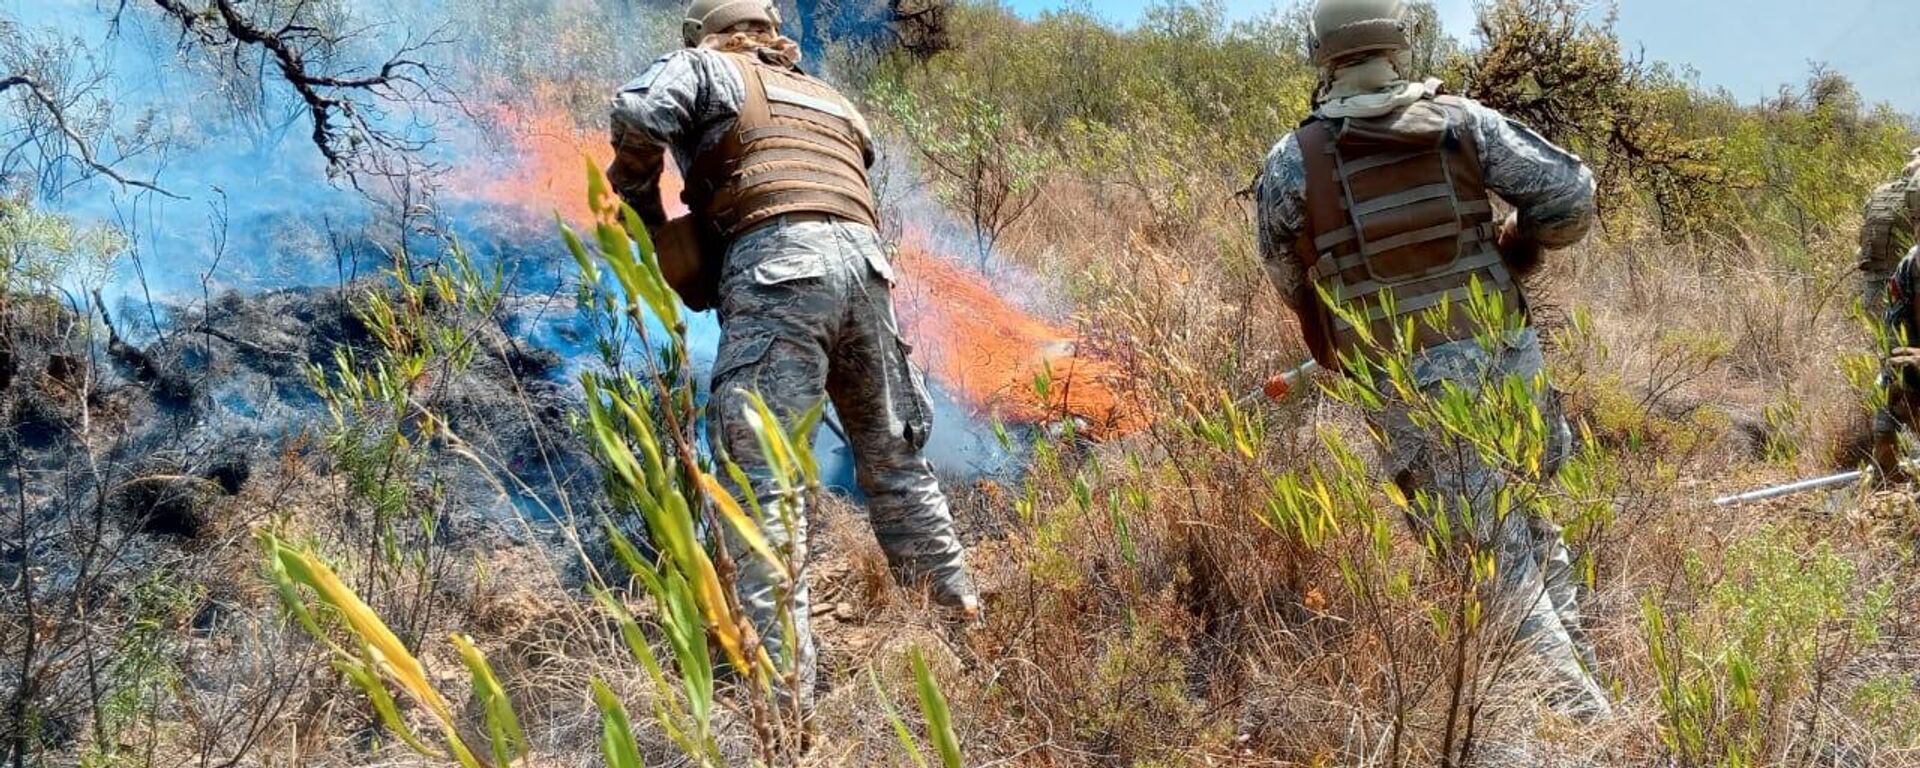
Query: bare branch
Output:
(345,106)
(84,148)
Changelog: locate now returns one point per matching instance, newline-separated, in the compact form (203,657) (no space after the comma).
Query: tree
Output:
(349,103)
(1545,65)
(61,132)
(985,164)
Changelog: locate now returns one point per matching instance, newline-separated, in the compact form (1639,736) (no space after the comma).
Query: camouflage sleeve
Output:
(1550,186)
(652,112)
(1281,193)
(1886,230)
(659,106)
(1897,294)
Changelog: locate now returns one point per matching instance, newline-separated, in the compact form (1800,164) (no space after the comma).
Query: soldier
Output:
(1385,187)
(775,163)
(1887,229)
(1900,379)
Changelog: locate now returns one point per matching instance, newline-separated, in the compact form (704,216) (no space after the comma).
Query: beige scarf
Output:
(1372,88)
(772,47)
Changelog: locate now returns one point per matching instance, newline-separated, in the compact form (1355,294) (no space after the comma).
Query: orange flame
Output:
(980,346)
(548,153)
(990,352)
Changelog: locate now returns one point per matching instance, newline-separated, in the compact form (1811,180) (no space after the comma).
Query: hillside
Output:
(351,457)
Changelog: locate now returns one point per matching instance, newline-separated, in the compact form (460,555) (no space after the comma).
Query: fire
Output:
(550,154)
(988,351)
(981,347)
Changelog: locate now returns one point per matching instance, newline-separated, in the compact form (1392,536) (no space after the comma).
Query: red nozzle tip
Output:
(1277,388)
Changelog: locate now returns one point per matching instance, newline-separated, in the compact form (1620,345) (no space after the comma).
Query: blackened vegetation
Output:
(60,133)
(919,27)
(53,110)
(131,472)
(251,358)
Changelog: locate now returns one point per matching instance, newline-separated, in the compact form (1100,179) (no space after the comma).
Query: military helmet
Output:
(1343,28)
(706,17)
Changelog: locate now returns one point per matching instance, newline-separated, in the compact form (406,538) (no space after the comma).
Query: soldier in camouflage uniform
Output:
(1384,189)
(1900,378)
(1888,227)
(1887,230)
(776,161)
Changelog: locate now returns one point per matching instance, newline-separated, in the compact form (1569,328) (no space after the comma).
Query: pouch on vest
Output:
(690,257)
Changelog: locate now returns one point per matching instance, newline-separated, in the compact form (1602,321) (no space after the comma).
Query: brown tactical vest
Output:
(1396,205)
(797,147)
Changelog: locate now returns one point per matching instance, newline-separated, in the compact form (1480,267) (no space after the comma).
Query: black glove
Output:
(1520,251)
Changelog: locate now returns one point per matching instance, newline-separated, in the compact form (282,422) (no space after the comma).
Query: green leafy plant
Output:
(383,420)
(1777,622)
(1340,514)
(933,706)
(371,656)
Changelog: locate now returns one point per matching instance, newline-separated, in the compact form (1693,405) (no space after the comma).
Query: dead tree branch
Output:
(82,148)
(346,104)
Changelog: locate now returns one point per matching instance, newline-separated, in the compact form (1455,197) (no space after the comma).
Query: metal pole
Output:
(1802,486)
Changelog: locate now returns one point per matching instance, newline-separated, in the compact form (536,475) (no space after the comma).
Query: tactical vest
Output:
(1396,205)
(798,146)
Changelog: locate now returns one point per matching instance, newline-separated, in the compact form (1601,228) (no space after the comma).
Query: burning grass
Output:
(1006,362)
(1139,611)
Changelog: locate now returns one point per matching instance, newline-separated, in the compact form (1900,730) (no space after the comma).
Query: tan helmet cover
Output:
(706,17)
(1345,28)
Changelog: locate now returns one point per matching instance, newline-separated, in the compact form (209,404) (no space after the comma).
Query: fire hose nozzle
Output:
(1279,387)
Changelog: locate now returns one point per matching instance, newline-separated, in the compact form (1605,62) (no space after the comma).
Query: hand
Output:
(1521,252)
(1887,469)
(1904,357)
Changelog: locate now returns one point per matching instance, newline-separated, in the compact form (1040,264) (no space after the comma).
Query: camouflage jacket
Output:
(1550,186)
(686,102)
(1886,232)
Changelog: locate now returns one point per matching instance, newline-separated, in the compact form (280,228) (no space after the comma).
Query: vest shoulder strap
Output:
(1315,137)
(1325,213)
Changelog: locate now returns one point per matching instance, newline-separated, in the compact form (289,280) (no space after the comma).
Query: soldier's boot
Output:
(883,404)
(1572,691)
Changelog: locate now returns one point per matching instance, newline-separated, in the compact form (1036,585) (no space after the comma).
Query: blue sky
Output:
(1749,47)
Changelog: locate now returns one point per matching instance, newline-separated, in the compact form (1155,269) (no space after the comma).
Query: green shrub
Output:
(1774,626)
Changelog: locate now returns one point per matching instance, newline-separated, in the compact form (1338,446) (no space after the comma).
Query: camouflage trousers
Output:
(1536,592)
(807,311)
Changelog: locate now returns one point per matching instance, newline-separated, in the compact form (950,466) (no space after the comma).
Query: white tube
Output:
(1802,486)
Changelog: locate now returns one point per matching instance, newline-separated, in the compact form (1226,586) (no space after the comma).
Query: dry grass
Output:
(1138,612)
